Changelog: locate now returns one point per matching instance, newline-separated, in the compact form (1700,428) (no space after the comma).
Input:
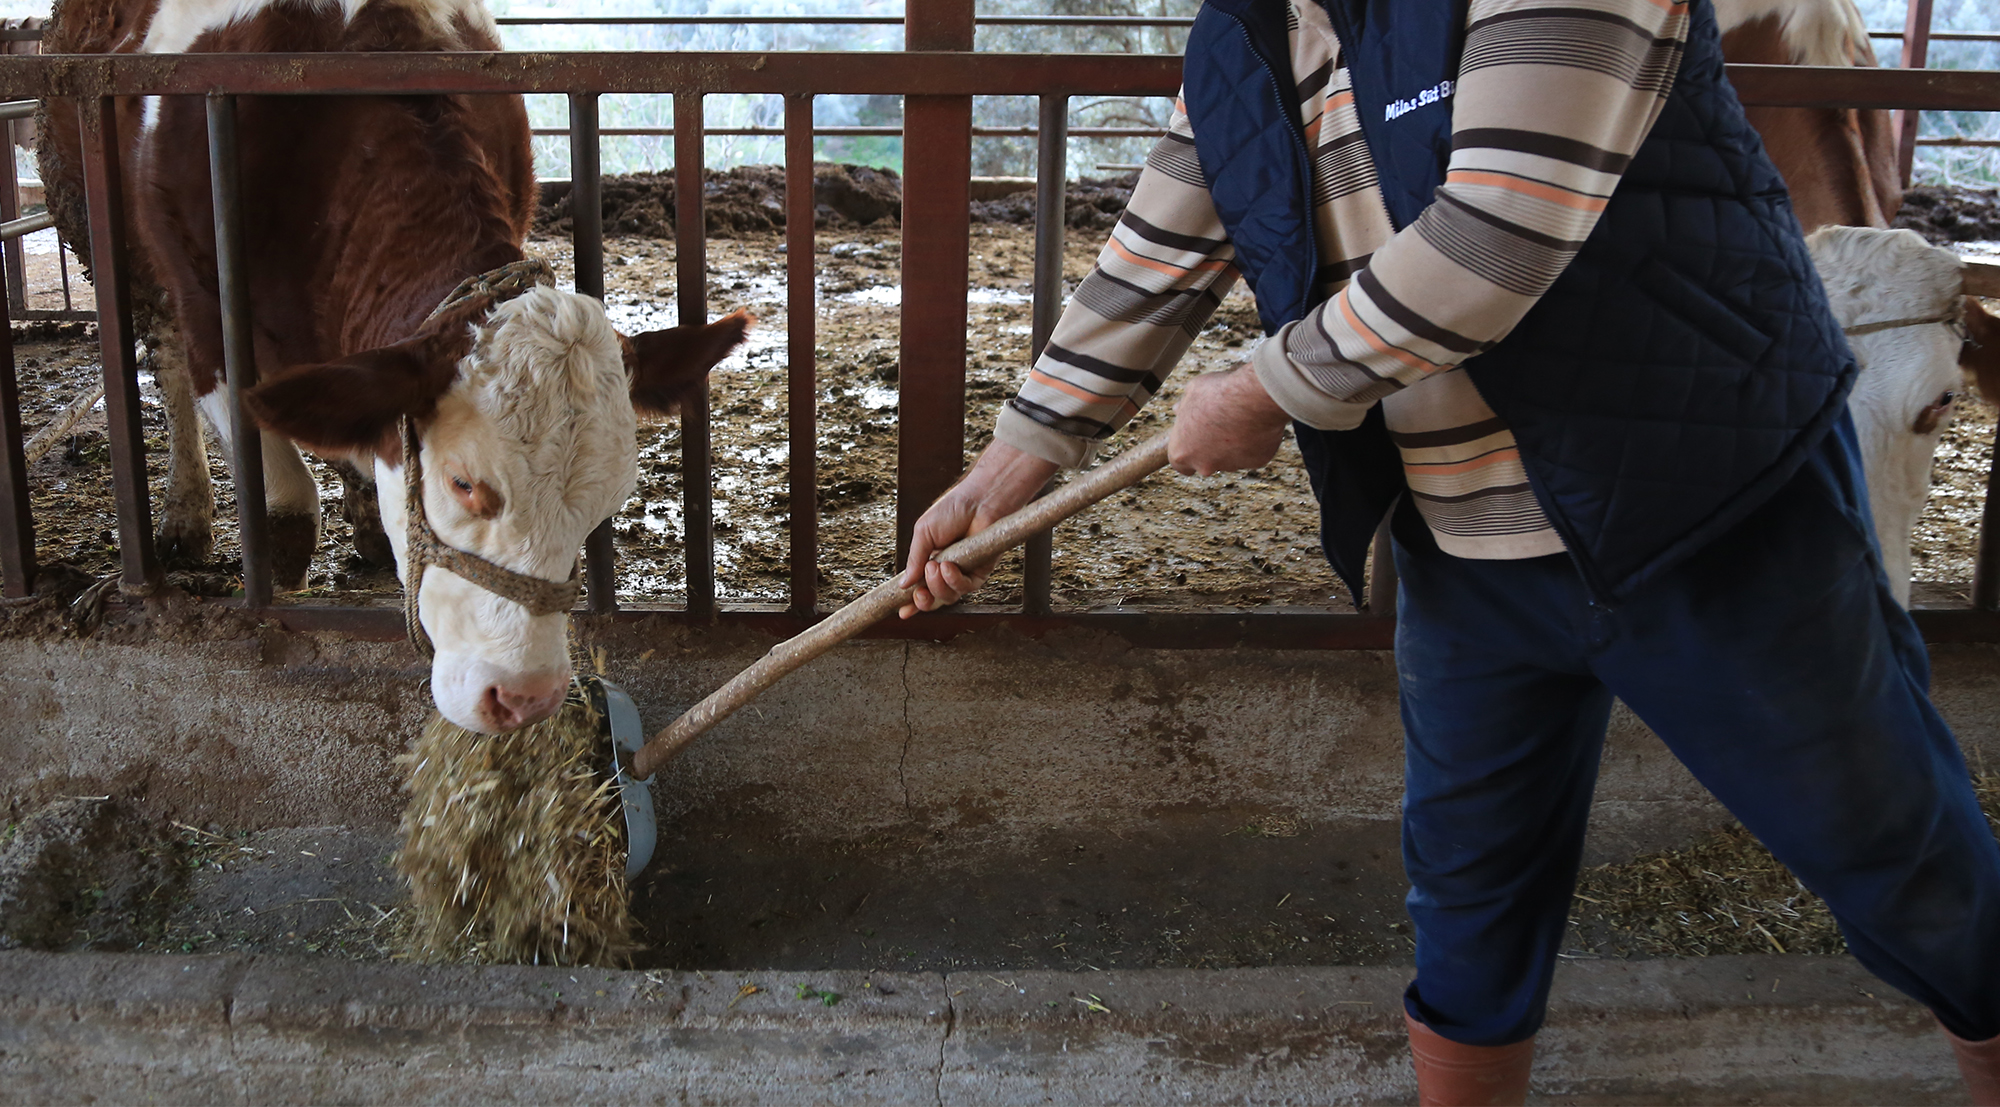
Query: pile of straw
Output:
(1724,893)
(513,844)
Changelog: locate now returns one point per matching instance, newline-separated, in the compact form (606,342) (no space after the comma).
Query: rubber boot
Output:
(1979,1063)
(1450,1074)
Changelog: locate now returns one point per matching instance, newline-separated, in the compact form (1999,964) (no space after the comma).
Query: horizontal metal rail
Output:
(837,20)
(937,73)
(1941,36)
(15,228)
(19,109)
(1280,628)
(869,131)
(34,34)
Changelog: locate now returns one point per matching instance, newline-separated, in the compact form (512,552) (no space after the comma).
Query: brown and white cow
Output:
(361,214)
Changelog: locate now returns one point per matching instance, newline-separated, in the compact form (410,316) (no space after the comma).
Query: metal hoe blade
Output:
(634,798)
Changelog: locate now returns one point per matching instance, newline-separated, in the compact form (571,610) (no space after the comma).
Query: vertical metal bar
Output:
(17,522)
(691,280)
(937,173)
(1382,573)
(586,220)
(801,346)
(10,209)
(1986,563)
(1051,196)
(104,191)
(1916,54)
(239,359)
(62,266)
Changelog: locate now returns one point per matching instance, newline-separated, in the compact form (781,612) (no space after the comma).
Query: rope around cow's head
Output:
(423,547)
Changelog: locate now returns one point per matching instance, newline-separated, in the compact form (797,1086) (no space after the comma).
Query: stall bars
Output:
(938,82)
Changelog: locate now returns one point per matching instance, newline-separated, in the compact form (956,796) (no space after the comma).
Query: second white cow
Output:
(1899,299)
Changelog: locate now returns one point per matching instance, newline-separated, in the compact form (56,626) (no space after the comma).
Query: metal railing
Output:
(938,86)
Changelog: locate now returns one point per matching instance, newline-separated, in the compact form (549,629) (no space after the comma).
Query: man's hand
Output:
(1225,422)
(1000,483)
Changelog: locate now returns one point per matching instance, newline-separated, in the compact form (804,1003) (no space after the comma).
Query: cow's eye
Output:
(461,484)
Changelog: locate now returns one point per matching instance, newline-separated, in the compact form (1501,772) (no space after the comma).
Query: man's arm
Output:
(1159,278)
(1552,102)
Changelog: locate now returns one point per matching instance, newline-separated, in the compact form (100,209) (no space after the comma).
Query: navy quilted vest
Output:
(1675,375)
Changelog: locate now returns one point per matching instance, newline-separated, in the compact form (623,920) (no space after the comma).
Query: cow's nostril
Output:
(509,708)
(497,709)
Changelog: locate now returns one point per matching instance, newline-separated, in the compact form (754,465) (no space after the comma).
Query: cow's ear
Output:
(670,366)
(350,407)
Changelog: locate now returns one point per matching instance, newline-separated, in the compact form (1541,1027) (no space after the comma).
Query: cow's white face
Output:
(531,447)
(527,412)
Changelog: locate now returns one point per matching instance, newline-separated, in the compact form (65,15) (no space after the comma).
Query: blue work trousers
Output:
(1775,664)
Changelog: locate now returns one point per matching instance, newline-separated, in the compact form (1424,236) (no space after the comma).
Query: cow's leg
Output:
(187,514)
(363,512)
(291,498)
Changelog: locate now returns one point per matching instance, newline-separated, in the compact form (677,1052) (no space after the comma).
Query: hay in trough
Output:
(513,844)
(1724,893)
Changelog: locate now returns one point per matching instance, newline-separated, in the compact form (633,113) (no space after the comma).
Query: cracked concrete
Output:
(266,1029)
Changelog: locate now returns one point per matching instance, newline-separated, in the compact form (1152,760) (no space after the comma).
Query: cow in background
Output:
(1840,165)
(1899,299)
(362,215)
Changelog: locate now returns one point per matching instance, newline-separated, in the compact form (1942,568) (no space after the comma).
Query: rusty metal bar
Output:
(779,73)
(845,20)
(802,353)
(1150,629)
(586,220)
(239,359)
(1160,630)
(691,280)
(1986,563)
(62,267)
(1051,198)
(936,72)
(937,171)
(103,187)
(17,520)
(857,132)
(16,257)
(1916,54)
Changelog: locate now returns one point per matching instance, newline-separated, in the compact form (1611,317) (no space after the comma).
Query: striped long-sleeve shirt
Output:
(1553,99)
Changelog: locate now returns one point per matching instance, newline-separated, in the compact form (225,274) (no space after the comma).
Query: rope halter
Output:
(423,546)
(1933,415)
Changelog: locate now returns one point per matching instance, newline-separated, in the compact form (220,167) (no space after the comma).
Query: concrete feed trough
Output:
(995,870)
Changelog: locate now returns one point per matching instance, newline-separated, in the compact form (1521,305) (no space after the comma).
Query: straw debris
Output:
(513,845)
(1724,893)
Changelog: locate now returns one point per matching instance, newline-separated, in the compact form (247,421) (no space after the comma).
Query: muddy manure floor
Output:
(751,198)
(1945,215)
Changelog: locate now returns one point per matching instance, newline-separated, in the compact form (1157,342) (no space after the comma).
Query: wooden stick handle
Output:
(885,598)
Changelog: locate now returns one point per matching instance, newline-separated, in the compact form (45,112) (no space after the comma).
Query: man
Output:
(1530,282)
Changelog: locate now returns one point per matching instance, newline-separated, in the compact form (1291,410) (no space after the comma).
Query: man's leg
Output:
(1780,670)
(1503,727)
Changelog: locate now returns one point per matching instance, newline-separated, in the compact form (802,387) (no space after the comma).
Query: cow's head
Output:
(527,412)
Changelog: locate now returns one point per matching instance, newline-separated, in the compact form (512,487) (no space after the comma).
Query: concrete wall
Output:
(218,720)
